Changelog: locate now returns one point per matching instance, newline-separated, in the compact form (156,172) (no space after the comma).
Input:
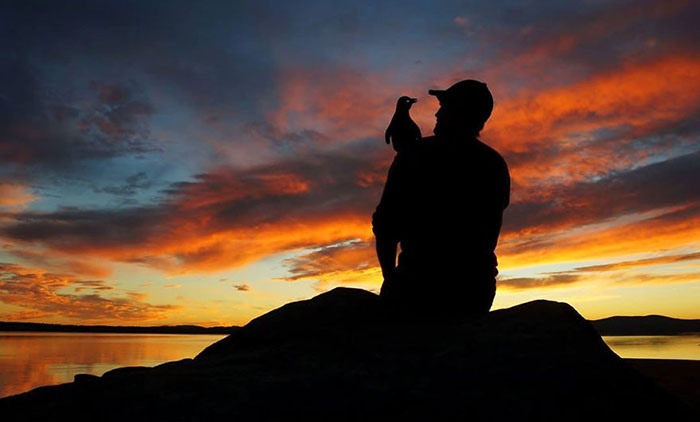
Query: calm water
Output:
(30,360)
(656,347)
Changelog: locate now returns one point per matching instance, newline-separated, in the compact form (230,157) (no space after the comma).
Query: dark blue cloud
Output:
(656,186)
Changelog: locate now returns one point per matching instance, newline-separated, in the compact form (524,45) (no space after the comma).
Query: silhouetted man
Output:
(443,203)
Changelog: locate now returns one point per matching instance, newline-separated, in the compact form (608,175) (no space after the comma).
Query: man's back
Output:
(443,202)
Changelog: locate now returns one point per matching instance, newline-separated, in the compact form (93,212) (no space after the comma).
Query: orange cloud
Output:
(340,103)
(39,292)
(24,315)
(349,262)
(656,234)
(668,259)
(639,97)
(222,185)
(644,278)
(622,272)
(15,195)
(241,287)
(223,219)
(516,283)
(596,27)
(565,279)
(235,248)
(61,262)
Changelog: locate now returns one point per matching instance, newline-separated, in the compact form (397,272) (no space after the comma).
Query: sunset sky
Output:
(202,162)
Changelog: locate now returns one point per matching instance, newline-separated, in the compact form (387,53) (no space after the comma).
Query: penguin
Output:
(402,132)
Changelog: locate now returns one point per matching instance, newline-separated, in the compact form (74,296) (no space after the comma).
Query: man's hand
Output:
(386,252)
(389,285)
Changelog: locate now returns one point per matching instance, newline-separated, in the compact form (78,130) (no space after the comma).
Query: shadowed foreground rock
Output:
(341,356)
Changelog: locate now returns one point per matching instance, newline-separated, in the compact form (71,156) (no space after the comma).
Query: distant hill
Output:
(163,329)
(645,325)
(613,326)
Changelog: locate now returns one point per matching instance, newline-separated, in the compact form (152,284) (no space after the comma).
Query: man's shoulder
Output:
(487,149)
(426,144)
(418,152)
(490,154)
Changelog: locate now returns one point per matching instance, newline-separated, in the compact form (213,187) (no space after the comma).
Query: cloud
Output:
(654,186)
(224,218)
(40,292)
(616,279)
(590,101)
(242,287)
(15,195)
(340,103)
(461,21)
(536,282)
(624,265)
(647,278)
(639,97)
(227,218)
(336,264)
(109,120)
(24,315)
(654,232)
(337,260)
(620,272)
(597,36)
(133,184)
(116,122)
(56,261)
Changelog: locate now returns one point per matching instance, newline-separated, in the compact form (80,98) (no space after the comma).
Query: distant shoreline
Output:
(614,326)
(650,325)
(163,329)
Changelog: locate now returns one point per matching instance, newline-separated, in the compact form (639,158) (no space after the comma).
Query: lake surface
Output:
(30,360)
(656,347)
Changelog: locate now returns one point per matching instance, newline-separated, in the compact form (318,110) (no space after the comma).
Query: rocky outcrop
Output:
(344,356)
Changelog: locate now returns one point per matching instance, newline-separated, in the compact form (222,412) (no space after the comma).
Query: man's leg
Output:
(466,298)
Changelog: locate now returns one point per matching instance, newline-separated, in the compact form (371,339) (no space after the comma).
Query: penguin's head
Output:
(405,103)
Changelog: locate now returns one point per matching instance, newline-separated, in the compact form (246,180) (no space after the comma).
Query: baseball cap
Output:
(470,95)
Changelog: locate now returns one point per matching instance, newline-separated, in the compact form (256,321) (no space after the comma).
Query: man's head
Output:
(464,108)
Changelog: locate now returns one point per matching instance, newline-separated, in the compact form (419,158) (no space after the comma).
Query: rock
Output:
(85,378)
(125,371)
(319,320)
(343,356)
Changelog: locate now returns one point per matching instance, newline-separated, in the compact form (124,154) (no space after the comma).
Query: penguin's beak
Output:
(413,100)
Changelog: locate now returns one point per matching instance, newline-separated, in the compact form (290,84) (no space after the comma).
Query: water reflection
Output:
(30,360)
(656,347)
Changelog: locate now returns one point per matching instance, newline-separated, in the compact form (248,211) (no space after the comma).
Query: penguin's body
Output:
(402,132)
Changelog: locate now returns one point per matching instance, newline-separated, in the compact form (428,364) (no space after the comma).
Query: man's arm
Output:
(386,254)
(499,204)
(385,222)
